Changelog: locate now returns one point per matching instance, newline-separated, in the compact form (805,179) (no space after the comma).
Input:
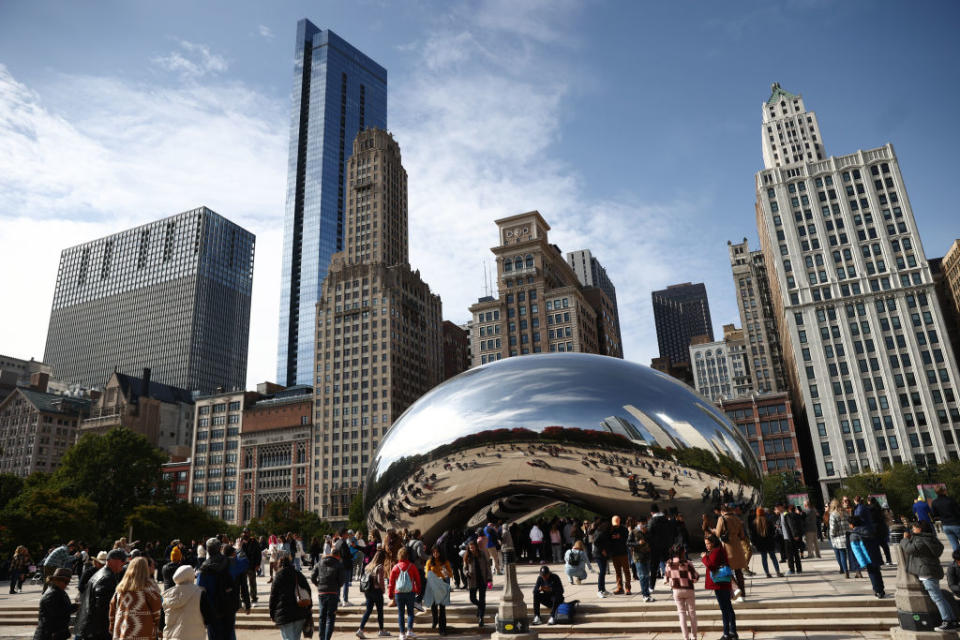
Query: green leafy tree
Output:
(118,471)
(43,516)
(10,488)
(281,517)
(182,520)
(776,486)
(357,517)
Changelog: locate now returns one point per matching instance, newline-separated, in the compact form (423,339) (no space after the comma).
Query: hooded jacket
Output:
(329,574)
(411,569)
(923,555)
(284,604)
(185,608)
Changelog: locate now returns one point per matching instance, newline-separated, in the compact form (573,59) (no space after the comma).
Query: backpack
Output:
(576,557)
(403,584)
(566,611)
(226,596)
(365,582)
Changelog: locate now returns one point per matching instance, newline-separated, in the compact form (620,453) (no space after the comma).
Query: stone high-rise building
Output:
(171,295)
(337,93)
(757,318)
(379,343)
(456,350)
(720,369)
(592,274)
(543,306)
(863,337)
(681,311)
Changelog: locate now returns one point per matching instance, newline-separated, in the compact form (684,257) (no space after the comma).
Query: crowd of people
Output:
(196,590)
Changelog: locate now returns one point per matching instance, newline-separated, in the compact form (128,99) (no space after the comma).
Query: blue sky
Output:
(633,127)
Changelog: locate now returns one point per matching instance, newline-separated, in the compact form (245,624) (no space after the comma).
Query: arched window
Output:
(529,261)
(518,263)
(301,453)
(246,510)
(507,265)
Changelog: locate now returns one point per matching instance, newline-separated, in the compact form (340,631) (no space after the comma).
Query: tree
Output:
(281,517)
(181,520)
(10,488)
(118,471)
(776,486)
(43,516)
(357,517)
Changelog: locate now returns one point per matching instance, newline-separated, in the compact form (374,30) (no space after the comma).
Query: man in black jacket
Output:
(793,534)
(93,618)
(329,575)
(251,549)
(617,549)
(922,552)
(547,591)
(947,509)
(222,591)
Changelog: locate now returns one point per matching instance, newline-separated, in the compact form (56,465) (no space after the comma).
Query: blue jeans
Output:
(601,573)
(405,603)
(726,610)
(773,556)
(933,588)
(346,590)
(643,577)
(374,599)
(292,630)
(327,615)
(953,535)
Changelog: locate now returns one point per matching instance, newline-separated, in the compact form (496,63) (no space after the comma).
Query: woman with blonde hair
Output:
(18,568)
(136,604)
(575,563)
(838,525)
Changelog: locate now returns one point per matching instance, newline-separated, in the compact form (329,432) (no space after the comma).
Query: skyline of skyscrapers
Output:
(337,93)
(863,337)
(172,295)
(681,311)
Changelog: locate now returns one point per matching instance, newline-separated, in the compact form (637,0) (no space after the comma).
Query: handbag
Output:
(303,597)
(723,573)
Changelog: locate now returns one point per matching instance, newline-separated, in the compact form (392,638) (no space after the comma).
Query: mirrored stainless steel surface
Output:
(508,438)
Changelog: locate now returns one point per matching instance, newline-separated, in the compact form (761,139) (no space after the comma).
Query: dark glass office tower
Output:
(681,312)
(172,296)
(337,92)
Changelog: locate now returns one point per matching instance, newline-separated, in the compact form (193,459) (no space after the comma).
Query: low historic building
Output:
(177,474)
(767,422)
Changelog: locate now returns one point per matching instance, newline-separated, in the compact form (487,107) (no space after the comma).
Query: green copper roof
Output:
(777,92)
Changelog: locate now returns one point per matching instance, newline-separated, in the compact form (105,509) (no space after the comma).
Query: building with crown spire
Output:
(864,345)
(379,341)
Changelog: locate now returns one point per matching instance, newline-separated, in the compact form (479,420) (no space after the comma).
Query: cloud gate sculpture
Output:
(508,438)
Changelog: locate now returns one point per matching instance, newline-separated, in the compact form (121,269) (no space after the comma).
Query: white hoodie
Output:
(181,605)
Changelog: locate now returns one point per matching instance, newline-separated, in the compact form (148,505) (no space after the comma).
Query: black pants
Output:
(478,596)
(252,579)
(794,554)
(374,599)
(547,599)
(457,565)
(876,580)
(439,614)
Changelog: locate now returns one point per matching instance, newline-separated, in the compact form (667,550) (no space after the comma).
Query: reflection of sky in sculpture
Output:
(570,390)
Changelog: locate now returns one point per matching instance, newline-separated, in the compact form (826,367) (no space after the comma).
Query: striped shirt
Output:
(681,574)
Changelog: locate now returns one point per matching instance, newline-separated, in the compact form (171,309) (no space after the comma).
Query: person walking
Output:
(682,577)
(792,526)
(730,533)
(93,616)
(329,575)
(250,548)
(492,534)
(404,584)
(436,590)
(477,573)
(136,604)
(922,510)
(547,591)
(53,619)
(291,600)
(375,587)
(617,550)
(810,520)
(922,551)
(864,546)
(713,559)
(18,568)
(575,563)
(763,535)
(948,511)
(185,609)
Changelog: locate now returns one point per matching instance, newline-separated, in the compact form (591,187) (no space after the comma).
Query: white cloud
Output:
(265,31)
(193,60)
(128,155)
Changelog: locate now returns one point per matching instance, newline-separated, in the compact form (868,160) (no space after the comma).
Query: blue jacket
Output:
(864,546)
(922,510)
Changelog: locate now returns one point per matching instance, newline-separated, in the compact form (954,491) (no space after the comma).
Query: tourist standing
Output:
(838,526)
(682,576)
(291,600)
(947,509)
(93,617)
(250,548)
(477,573)
(922,550)
(170,569)
(18,568)
(601,539)
(492,533)
(136,604)
(792,526)
(810,521)
(330,574)
(375,581)
(713,559)
(436,588)
(404,585)
(575,563)
(215,575)
(548,591)
(536,543)
(640,551)
(730,532)
(53,620)
(922,511)
(556,543)
(617,550)
(184,607)
(763,534)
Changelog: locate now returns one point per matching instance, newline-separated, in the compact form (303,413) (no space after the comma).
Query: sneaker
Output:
(946,626)
(578,580)
(551,621)
(536,620)
(384,633)
(601,594)
(648,598)
(411,635)
(347,603)
(402,636)
(618,592)
(790,572)
(740,600)
(736,593)
(419,607)
(360,634)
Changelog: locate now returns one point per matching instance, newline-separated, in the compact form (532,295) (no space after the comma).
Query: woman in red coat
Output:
(713,559)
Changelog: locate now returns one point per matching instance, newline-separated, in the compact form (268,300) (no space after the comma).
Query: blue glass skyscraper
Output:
(337,92)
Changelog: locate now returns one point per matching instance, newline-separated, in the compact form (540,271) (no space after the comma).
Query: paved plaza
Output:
(820,603)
